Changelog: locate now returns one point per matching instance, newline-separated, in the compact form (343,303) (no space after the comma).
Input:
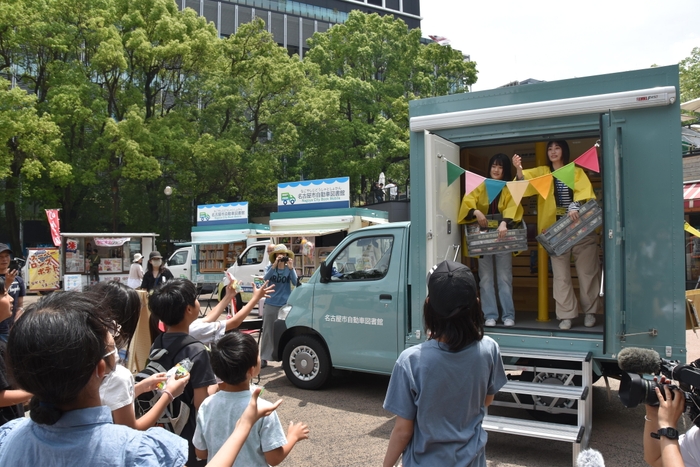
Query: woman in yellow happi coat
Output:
(563,201)
(475,206)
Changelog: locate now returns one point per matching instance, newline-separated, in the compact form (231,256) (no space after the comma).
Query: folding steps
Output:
(562,380)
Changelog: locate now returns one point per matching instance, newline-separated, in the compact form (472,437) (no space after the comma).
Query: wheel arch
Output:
(291,333)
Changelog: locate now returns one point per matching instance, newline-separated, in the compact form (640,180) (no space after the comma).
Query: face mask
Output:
(156,263)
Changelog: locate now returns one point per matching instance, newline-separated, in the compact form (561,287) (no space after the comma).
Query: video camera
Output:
(635,389)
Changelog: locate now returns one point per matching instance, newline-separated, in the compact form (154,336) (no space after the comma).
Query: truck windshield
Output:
(365,258)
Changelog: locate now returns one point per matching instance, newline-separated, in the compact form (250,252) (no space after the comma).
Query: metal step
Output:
(533,429)
(547,390)
(547,354)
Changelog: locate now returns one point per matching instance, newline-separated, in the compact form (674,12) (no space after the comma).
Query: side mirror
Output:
(239,261)
(325,273)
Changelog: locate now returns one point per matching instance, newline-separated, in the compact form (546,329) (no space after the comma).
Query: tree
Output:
(690,76)
(27,151)
(375,65)
(250,120)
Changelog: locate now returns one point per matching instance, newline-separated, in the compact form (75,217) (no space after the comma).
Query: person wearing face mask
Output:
(156,273)
(122,306)
(494,269)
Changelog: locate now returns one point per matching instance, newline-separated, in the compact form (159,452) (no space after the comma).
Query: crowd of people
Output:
(63,361)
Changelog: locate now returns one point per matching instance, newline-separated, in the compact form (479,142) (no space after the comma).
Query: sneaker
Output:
(490,322)
(565,324)
(508,322)
(589,320)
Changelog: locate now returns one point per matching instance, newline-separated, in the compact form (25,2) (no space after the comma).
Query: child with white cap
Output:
(439,390)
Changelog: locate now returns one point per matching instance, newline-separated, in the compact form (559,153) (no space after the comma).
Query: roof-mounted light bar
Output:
(653,97)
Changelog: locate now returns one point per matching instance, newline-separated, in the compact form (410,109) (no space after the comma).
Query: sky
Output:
(551,40)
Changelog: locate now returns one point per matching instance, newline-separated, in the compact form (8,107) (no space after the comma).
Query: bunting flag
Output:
(55,224)
(493,188)
(691,230)
(542,184)
(453,172)
(589,160)
(471,181)
(517,189)
(566,174)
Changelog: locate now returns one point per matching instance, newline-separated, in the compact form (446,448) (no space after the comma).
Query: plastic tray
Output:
(564,233)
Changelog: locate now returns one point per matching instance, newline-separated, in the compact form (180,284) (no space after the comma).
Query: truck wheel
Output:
(306,362)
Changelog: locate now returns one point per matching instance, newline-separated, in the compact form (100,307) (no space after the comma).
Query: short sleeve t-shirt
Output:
(117,389)
(201,375)
(13,411)
(443,392)
(690,447)
(207,333)
(217,419)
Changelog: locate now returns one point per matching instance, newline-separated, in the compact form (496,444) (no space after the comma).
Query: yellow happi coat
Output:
(479,199)
(547,208)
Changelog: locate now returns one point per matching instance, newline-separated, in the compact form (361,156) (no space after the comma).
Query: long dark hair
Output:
(565,153)
(458,330)
(53,351)
(122,305)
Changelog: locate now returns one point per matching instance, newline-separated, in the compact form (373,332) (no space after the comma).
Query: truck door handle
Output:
(385,296)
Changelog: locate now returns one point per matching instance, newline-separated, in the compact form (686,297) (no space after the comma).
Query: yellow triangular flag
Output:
(691,230)
(542,184)
(517,189)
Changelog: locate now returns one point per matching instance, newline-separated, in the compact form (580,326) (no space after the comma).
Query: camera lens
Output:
(634,390)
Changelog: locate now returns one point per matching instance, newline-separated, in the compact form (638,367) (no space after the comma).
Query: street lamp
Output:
(167,191)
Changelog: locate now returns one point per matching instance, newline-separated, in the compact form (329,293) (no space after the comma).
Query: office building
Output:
(293,22)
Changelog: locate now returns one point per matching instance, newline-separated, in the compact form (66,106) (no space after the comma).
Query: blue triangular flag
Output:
(493,188)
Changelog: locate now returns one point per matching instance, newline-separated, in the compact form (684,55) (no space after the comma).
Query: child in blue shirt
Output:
(235,361)
(439,390)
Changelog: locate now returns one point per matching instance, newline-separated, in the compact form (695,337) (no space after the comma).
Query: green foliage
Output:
(118,98)
(690,76)
(374,65)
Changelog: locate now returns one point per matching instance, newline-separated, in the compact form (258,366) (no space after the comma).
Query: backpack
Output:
(161,360)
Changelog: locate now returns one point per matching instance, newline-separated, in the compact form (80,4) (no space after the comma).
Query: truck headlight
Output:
(284,311)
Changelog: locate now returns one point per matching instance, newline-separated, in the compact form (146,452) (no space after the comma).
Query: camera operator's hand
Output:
(663,452)
(671,406)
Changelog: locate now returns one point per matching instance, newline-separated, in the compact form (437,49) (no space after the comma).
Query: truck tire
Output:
(306,362)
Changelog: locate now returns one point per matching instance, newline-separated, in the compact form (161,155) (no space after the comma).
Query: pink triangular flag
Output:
(589,160)
(517,189)
(471,181)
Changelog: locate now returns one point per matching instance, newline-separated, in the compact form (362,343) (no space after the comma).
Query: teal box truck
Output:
(364,305)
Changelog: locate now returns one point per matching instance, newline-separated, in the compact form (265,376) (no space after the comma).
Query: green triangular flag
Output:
(566,174)
(493,188)
(453,172)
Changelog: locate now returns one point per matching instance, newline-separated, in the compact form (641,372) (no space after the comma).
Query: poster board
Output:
(43,269)
(73,282)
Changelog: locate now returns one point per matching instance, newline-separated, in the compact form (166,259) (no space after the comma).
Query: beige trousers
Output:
(585,254)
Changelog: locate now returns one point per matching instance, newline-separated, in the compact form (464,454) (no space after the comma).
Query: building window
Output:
(277,27)
(412,7)
(292,34)
(393,5)
(211,11)
(245,15)
(228,19)
(375,2)
(194,4)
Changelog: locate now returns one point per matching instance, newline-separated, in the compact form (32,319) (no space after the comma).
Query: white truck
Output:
(183,264)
